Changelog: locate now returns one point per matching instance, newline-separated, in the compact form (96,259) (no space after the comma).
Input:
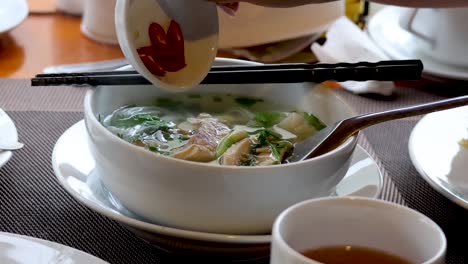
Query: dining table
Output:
(33,203)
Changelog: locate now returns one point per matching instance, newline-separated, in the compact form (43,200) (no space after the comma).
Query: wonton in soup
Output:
(225,130)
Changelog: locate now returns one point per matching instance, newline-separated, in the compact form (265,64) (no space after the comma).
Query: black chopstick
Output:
(260,67)
(271,73)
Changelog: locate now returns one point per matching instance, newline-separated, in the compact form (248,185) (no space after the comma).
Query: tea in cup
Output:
(355,230)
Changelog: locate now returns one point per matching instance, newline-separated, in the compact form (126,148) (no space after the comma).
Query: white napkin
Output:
(346,42)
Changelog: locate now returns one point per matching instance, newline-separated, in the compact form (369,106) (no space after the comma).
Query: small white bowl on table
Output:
(354,222)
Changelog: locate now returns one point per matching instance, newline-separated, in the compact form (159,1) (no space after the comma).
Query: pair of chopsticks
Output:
(391,70)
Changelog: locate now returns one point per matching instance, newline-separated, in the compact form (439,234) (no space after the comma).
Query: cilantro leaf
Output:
(268,119)
(246,101)
(314,121)
(168,103)
(280,149)
(264,138)
(142,119)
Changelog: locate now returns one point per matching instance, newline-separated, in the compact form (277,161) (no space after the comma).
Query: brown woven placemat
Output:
(33,203)
(390,143)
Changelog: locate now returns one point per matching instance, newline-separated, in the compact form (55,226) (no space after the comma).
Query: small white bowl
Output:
(73,7)
(198,21)
(205,197)
(353,221)
(13,13)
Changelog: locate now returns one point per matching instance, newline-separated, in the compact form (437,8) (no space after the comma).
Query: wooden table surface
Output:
(48,38)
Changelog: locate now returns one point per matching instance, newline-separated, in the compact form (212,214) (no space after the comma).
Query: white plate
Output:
(73,165)
(384,29)
(8,134)
(28,250)
(12,13)
(255,25)
(437,156)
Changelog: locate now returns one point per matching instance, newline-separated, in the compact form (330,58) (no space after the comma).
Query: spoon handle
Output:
(362,121)
(344,129)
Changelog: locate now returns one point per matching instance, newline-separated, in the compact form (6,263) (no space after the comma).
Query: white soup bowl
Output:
(206,197)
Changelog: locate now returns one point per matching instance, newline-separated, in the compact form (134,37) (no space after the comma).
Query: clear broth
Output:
(217,128)
(352,255)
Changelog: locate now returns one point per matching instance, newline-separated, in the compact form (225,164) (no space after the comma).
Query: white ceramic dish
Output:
(20,249)
(254,25)
(4,157)
(73,7)
(198,22)
(437,155)
(356,222)
(385,30)
(98,22)
(12,13)
(8,134)
(162,191)
(74,167)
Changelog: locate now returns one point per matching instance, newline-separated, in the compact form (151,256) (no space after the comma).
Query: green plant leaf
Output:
(314,121)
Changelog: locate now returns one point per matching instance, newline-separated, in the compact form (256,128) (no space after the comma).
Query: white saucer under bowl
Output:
(437,155)
(20,249)
(74,167)
(385,30)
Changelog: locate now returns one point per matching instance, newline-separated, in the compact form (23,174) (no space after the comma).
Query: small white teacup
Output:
(98,21)
(443,33)
(356,222)
(73,7)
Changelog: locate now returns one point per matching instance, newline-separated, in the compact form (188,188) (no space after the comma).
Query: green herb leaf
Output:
(246,101)
(268,119)
(280,149)
(168,103)
(230,140)
(142,119)
(184,137)
(265,137)
(314,121)
(153,148)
